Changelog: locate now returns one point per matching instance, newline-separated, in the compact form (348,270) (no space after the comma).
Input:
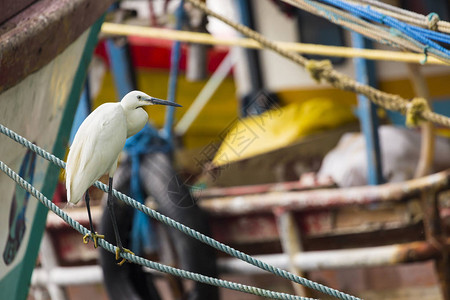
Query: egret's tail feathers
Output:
(72,193)
(73,166)
(73,196)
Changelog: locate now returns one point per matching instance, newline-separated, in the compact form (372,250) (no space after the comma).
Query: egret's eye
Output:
(139,97)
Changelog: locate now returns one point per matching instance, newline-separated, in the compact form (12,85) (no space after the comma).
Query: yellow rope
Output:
(324,71)
(204,38)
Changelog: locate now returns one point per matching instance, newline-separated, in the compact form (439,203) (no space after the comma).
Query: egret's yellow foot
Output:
(118,250)
(94,237)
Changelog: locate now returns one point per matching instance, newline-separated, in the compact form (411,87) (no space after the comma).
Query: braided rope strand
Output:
(374,32)
(322,71)
(38,150)
(406,15)
(185,229)
(139,260)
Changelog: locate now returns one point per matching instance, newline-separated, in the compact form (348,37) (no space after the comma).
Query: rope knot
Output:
(432,21)
(414,110)
(317,68)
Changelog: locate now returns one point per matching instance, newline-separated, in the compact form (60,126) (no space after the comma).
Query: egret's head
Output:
(136,99)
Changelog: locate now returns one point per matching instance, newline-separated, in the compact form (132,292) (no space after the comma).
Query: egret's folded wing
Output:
(95,148)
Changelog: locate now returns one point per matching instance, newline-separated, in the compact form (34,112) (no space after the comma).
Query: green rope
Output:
(172,223)
(139,260)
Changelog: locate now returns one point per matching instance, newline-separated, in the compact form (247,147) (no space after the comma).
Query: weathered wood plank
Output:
(32,38)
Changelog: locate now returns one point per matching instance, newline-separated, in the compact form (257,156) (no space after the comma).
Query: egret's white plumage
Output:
(100,139)
(96,148)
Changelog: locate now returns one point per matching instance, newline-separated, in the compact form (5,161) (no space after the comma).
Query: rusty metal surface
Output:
(380,237)
(443,270)
(336,259)
(435,234)
(371,256)
(246,229)
(32,38)
(327,198)
(307,181)
(265,234)
(415,251)
(357,219)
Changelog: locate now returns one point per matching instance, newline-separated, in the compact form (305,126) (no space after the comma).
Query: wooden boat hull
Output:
(44,54)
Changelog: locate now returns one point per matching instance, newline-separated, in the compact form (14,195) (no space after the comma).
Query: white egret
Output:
(96,148)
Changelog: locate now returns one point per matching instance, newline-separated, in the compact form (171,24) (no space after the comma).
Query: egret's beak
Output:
(163,102)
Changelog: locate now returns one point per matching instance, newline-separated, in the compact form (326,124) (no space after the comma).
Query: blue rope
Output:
(143,233)
(438,36)
(333,17)
(172,223)
(410,30)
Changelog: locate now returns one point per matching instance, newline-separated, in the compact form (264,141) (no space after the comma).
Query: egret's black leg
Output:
(110,204)
(88,207)
(93,234)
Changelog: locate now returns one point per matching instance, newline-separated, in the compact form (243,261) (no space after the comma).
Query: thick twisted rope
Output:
(183,228)
(379,33)
(140,260)
(431,21)
(324,71)
(428,38)
(346,20)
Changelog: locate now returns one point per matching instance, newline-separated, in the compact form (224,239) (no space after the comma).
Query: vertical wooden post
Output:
(291,242)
